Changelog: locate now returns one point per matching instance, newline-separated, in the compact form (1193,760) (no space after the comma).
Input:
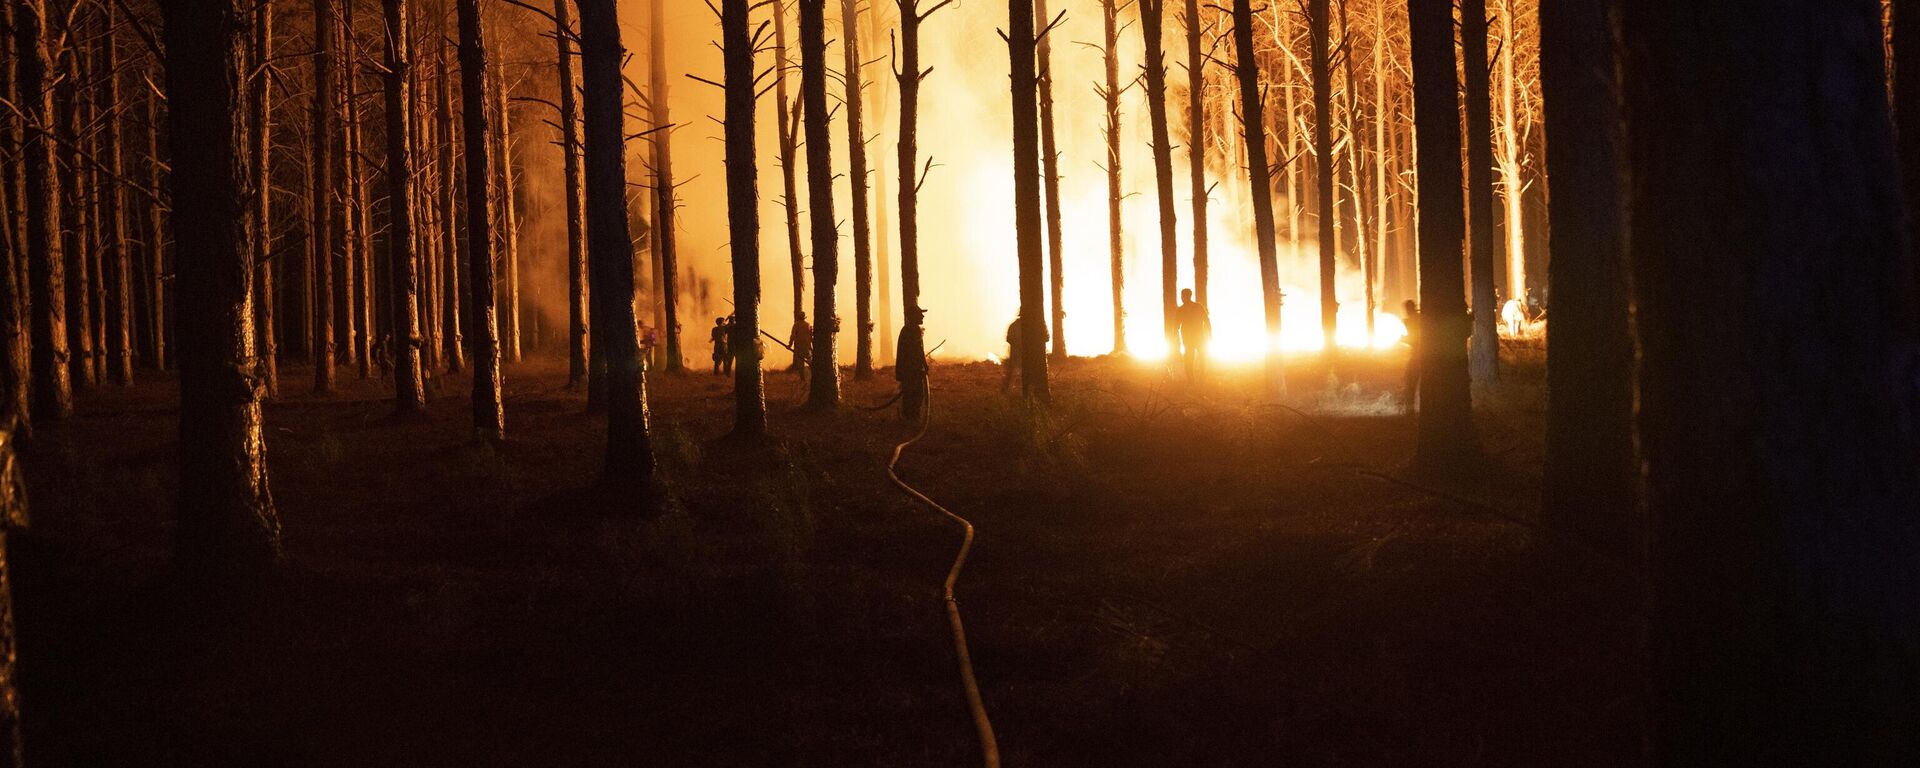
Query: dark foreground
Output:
(1164,576)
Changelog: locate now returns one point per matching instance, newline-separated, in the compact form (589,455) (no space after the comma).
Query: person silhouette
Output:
(720,336)
(1195,329)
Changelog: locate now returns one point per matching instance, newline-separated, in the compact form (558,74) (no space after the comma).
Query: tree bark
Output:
(227,531)
(15,341)
(743,219)
(320,232)
(1588,485)
(1026,198)
(666,201)
(118,262)
(578,348)
(1253,120)
(489,419)
(1447,441)
(52,396)
(409,391)
(610,247)
(1484,342)
(1777,384)
(1116,242)
(260,147)
(823,389)
(1197,148)
(1152,17)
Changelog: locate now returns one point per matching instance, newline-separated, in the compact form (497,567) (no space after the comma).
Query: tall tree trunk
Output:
(1197,147)
(1253,119)
(52,396)
(1512,186)
(1588,485)
(743,219)
(113,225)
(409,391)
(789,152)
(1152,17)
(857,172)
(666,200)
(1026,198)
(509,225)
(321,230)
(823,389)
(157,274)
(1447,440)
(578,348)
(1116,242)
(1906,102)
(1381,157)
(227,529)
(910,362)
(610,247)
(1777,394)
(78,231)
(260,158)
(1484,341)
(1319,31)
(489,419)
(452,295)
(353,302)
(1050,184)
(15,341)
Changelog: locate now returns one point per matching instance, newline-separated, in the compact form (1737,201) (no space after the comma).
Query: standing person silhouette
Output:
(1195,329)
(720,336)
(802,344)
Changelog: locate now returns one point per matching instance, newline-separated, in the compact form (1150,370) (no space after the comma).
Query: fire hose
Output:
(989,747)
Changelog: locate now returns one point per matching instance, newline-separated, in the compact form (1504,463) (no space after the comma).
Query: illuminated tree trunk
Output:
(1050,178)
(743,219)
(1116,243)
(1253,112)
(346,224)
(824,386)
(451,295)
(427,197)
(321,230)
(1484,341)
(1152,16)
(1284,40)
(1356,188)
(409,392)
(16,377)
(1382,156)
(358,323)
(510,225)
(1197,147)
(161,326)
(1512,185)
(666,200)
(1776,400)
(227,529)
(260,147)
(113,224)
(77,231)
(489,419)
(1026,197)
(1447,440)
(610,247)
(789,151)
(1318,33)
(52,396)
(578,348)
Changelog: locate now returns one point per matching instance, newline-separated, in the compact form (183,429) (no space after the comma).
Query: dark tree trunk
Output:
(743,219)
(489,420)
(227,529)
(1197,147)
(910,360)
(16,374)
(1771,279)
(1484,340)
(1050,181)
(857,170)
(578,348)
(320,232)
(1588,485)
(823,389)
(260,105)
(1116,242)
(1152,17)
(666,201)
(1319,30)
(1253,119)
(157,274)
(1906,111)
(610,247)
(789,152)
(1447,440)
(78,231)
(113,225)
(1026,199)
(409,391)
(52,396)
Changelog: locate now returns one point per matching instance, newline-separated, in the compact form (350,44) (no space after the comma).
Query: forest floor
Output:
(1166,574)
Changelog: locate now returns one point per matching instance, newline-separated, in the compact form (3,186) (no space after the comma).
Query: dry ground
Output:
(1166,575)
